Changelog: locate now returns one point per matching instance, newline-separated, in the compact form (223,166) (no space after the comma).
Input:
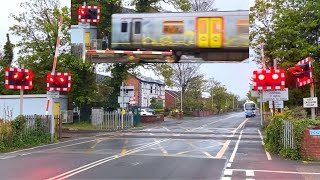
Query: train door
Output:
(136,31)
(209,32)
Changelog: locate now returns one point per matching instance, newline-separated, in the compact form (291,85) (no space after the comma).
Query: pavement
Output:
(222,147)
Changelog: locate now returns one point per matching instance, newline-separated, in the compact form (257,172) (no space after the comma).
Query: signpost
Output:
(311,102)
(53,94)
(277,95)
(277,104)
(314,132)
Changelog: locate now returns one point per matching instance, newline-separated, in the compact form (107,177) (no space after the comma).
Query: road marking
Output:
(249,173)
(199,149)
(228,172)
(240,126)
(281,172)
(101,161)
(223,149)
(7,157)
(125,146)
(93,146)
(165,128)
(249,179)
(267,153)
(183,152)
(229,165)
(164,152)
(235,148)
(201,127)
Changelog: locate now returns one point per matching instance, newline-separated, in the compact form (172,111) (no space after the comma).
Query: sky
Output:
(235,76)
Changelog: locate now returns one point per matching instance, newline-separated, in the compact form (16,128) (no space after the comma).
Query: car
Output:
(250,113)
(145,112)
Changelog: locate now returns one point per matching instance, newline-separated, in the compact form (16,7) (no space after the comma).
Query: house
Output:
(172,98)
(146,88)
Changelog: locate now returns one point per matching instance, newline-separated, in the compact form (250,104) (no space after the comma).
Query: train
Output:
(212,35)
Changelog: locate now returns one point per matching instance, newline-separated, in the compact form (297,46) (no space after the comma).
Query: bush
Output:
(274,133)
(16,135)
(158,111)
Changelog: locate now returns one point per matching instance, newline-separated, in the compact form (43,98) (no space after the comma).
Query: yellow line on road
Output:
(223,149)
(204,152)
(164,152)
(124,149)
(93,146)
(240,125)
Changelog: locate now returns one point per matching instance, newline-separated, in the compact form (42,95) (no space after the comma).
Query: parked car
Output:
(145,111)
(250,113)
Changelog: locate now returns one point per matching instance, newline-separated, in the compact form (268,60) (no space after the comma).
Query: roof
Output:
(173,93)
(100,77)
(149,80)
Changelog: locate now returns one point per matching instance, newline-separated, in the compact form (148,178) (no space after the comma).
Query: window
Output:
(137,27)
(124,27)
(216,29)
(203,26)
(172,27)
(243,27)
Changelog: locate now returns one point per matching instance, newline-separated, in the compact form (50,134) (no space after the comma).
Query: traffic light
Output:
(89,14)
(58,81)
(268,79)
(303,71)
(18,78)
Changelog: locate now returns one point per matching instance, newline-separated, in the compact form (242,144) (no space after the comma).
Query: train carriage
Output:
(193,33)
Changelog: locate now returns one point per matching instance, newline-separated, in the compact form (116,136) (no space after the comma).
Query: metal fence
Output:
(111,120)
(288,136)
(67,116)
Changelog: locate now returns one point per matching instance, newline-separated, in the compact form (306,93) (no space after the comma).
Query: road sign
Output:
(314,132)
(277,104)
(276,95)
(53,94)
(310,102)
(125,99)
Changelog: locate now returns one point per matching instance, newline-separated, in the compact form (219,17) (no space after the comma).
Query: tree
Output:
(183,74)
(202,5)
(193,95)
(37,28)
(8,52)
(156,103)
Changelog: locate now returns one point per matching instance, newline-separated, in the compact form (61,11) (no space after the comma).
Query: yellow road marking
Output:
(93,146)
(164,152)
(240,125)
(124,149)
(204,152)
(223,149)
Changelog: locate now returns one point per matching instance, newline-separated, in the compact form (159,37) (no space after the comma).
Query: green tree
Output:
(193,95)
(156,103)
(8,52)
(37,28)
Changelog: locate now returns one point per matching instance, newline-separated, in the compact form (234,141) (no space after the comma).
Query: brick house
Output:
(172,98)
(145,88)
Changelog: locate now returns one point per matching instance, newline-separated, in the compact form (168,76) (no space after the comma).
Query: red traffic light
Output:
(268,79)
(17,75)
(58,81)
(82,12)
(18,78)
(261,77)
(275,76)
(89,14)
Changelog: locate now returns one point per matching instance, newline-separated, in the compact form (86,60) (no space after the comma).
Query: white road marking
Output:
(235,148)
(226,178)
(205,125)
(249,173)
(267,153)
(101,161)
(166,128)
(229,165)
(228,172)
(281,172)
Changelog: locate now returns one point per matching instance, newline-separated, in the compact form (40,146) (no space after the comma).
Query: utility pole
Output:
(21,94)
(122,90)
(212,99)
(261,97)
(273,104)
(84,40)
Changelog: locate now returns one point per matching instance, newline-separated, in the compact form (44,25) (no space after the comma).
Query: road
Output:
(219,147)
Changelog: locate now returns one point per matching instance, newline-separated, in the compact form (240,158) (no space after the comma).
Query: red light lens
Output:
(61,79)
(275,76)
(17,75)
(82,12)
(261,77)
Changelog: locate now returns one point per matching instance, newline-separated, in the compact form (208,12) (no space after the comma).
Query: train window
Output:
(216,29)
(172,27)
(203,27)
(137,27)
(124,26)
(243,27)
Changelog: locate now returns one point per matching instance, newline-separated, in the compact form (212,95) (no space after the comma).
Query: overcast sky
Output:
(236,76)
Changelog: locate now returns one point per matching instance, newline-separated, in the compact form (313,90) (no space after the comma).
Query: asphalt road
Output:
(217,147)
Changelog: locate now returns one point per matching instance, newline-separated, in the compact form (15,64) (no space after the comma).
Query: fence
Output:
(24,131)
(288,136)
(111,120)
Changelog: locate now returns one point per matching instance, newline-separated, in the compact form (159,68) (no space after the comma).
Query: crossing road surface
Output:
(218,147)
